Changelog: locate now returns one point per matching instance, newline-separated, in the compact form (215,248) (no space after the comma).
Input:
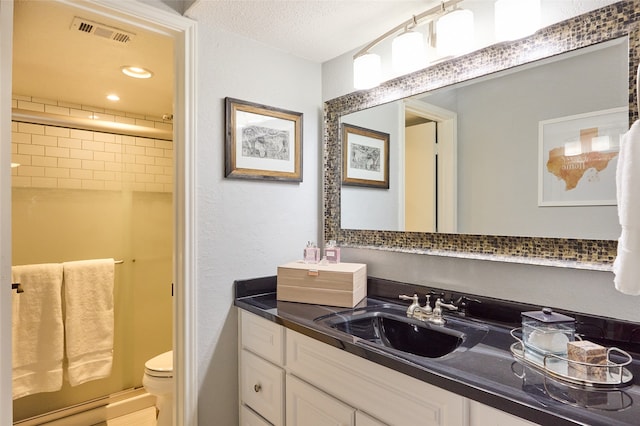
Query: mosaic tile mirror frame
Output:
(608,23)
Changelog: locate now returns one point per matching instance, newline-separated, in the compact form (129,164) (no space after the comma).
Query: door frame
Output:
(183,31)
(447,149)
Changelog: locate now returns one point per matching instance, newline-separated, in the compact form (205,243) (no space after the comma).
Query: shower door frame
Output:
(183,32)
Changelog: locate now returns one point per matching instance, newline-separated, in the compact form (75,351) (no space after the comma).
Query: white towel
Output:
(37,329)
(626,267)
(88,292)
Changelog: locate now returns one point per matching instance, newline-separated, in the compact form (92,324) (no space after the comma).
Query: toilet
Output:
(158,381)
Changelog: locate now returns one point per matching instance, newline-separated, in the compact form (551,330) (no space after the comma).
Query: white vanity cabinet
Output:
(391,397)
(287,378)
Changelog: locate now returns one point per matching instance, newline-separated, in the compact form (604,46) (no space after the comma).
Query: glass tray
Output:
(610,375)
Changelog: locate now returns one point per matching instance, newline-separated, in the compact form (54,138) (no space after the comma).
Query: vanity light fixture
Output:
(515,19)
(14,165)
(408,48)
(136,72)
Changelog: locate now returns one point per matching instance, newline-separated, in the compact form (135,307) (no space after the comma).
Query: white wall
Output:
(246,228)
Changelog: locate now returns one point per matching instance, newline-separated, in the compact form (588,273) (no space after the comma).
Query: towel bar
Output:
(19,289)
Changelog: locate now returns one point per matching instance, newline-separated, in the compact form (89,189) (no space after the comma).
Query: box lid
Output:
(547,316)
(333,267)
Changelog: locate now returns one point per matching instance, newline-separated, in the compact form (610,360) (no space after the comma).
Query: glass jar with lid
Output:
(547,332)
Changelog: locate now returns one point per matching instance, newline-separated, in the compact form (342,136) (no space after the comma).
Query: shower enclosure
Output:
(88,193)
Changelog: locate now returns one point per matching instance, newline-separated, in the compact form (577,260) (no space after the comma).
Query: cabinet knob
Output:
(257,387)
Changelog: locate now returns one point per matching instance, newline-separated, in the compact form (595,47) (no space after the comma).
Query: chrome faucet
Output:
(415,310)
(426,313)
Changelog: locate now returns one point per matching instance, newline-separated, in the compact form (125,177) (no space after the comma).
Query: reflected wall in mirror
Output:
(536,241)
(492,157)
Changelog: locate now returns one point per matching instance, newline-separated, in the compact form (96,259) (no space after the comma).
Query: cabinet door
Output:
(482,415)
(262,387)
(390,396)
(307,406)
(249,418)
(364,420)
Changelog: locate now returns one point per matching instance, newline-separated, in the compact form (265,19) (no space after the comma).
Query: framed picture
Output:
(578,156)
(262,142)
(365,157)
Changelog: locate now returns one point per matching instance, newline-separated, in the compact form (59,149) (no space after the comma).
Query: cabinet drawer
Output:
(262,387)
(262,336)
(307,405)
(249,418)
(389,396)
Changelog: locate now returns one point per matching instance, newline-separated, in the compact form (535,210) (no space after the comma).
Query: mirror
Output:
(491,142)
(579,249)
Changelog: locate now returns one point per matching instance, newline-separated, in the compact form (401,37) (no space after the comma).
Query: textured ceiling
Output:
(318,30)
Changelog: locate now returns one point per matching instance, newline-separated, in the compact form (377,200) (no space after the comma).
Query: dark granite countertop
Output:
(486,372)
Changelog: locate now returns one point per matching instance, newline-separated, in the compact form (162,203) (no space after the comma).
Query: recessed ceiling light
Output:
(136,72)
(113,97)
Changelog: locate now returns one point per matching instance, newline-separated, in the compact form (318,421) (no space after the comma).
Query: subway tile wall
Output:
(64,158)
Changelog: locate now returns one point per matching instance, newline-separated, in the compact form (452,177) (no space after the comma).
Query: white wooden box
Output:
(335,284)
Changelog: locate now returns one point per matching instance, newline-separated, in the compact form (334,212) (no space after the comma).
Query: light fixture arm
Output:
(436,10)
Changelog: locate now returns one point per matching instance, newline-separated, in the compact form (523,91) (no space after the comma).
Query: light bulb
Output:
(136,72)
(408,52)
(454,32)
(367,71)
(515,19)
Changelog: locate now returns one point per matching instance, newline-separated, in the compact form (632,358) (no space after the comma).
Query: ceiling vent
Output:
(101,30)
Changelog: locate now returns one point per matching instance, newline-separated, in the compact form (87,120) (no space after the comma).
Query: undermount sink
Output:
(388,328)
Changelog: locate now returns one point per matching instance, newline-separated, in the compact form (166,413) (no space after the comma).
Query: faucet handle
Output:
(440,304)
(462,302)
(414,303)
(405,297)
